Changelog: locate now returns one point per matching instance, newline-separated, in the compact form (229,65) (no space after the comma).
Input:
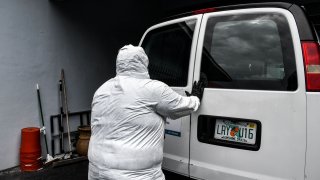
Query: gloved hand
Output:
(198,87)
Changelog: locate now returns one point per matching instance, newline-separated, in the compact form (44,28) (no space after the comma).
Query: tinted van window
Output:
(168,49)
(249,52)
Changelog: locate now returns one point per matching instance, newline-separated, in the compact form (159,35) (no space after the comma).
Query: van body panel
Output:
(281,113)
(313,142)
(205,172)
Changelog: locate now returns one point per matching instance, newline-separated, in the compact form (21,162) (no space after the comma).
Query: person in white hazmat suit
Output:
(128,118)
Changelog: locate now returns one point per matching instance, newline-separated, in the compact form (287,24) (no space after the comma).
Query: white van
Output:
(260,113)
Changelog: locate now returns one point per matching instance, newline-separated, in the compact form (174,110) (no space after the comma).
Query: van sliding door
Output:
(252,120)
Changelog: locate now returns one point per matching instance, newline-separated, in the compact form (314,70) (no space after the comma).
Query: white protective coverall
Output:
(128,118)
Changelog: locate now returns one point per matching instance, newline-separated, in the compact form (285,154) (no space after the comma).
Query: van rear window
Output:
(249,52)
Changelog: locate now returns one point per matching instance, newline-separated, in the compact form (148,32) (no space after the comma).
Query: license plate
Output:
(235,131)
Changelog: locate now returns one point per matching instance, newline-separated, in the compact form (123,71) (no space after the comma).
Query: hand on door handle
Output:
(198,87)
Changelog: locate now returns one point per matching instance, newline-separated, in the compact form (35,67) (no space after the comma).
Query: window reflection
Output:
(168,49)
(249,52)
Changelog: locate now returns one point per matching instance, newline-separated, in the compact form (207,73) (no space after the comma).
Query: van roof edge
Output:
(284,5)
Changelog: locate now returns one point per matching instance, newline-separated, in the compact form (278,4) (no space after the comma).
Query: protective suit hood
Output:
(132,61)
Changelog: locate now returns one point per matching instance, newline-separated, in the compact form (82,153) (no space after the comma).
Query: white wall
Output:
(37,39)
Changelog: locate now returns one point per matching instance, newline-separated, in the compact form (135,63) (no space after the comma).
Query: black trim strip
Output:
(305,31)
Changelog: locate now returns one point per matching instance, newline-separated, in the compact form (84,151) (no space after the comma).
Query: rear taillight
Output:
(201,11)
(311,56)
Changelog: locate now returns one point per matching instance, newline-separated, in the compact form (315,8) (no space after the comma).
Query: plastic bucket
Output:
(29,157)
(30,149)
(31,166)
(30,140)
